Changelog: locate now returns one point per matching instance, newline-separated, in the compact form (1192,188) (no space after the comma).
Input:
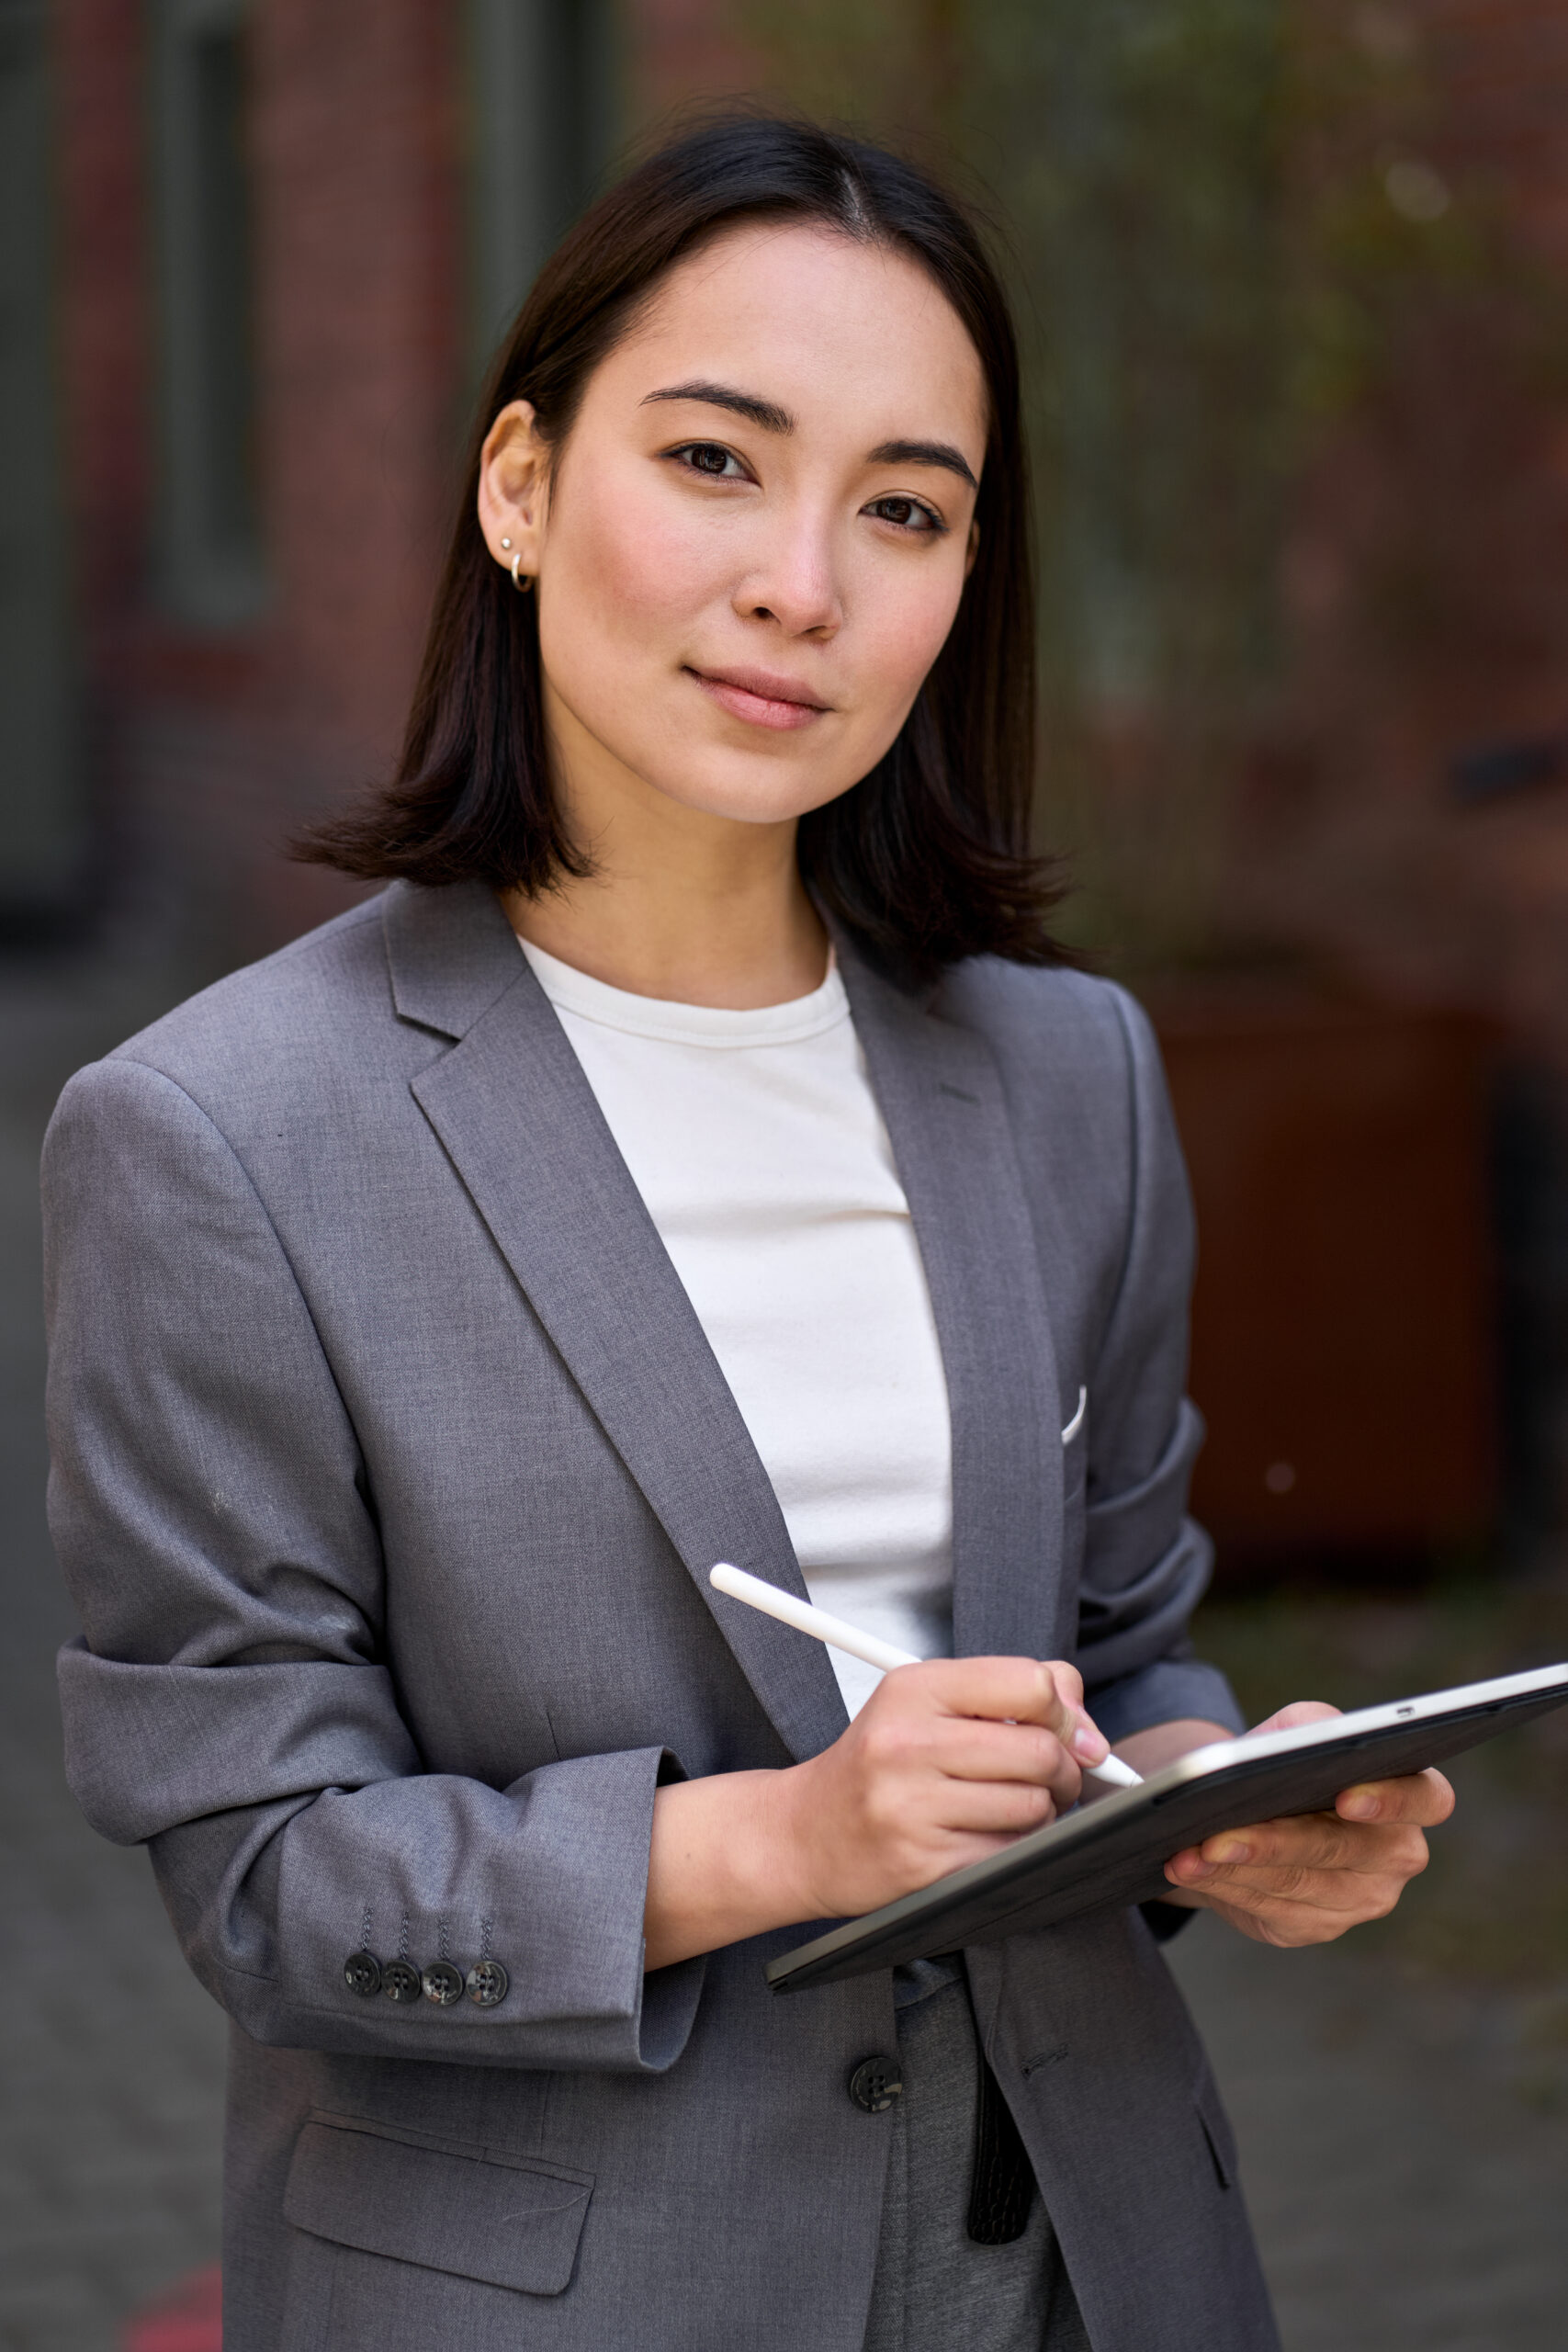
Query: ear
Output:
(972,550)
(513,483)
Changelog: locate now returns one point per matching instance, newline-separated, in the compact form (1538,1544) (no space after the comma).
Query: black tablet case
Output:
(1112,1853)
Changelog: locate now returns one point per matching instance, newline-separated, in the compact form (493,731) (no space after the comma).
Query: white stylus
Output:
(824,1627)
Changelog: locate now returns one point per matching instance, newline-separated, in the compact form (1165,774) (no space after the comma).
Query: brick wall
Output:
(212,747)
(680,50)
(1427,572)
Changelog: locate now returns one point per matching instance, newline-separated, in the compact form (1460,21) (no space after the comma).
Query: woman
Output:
(700,1151)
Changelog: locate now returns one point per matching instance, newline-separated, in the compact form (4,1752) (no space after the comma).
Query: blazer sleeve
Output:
(231,1702)
(1145,1563)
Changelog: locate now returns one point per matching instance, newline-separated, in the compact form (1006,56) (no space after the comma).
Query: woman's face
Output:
(753,544)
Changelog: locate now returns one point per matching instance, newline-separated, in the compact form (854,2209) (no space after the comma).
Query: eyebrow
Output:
(767,413)
(774,419)
(924,453)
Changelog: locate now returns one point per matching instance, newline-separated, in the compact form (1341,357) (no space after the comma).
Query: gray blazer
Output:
(390,1458)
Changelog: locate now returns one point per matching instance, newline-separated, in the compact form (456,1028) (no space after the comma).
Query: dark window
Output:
(542,117)
(211,535)
(41,832)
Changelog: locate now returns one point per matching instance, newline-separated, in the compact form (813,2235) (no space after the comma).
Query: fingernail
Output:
(1192,1866)
(1089,1744)
(1360,1808)
(1230,1851)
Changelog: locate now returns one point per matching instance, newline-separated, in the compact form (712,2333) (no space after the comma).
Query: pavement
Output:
(111,2056)
(1404,2140)
(1406,2164)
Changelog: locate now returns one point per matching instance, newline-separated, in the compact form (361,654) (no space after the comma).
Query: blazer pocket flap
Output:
(498,2220)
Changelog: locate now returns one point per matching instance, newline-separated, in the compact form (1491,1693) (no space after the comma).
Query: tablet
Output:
(1111,1852)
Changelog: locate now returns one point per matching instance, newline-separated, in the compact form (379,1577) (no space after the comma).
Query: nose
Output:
(795,583)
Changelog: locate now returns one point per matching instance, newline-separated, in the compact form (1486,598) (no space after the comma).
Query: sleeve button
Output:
(362,1974)
(443,1983)
(401,1981)
(876,2083)
(488,1985)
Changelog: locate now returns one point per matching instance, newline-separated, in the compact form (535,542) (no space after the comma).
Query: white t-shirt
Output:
(755,1140)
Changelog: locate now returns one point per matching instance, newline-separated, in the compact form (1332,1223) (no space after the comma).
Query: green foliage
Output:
(1221,228)
(1130,151)
(1137,149)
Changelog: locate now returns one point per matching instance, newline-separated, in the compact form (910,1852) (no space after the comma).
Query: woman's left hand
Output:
(1304,1881)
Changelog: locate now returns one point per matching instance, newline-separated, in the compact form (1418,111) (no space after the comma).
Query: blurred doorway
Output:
(41,830)
(543,118)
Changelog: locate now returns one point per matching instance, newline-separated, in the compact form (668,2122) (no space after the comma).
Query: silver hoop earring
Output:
(521,583)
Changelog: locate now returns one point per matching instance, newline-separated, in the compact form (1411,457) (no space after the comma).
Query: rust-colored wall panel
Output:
(1342,1341)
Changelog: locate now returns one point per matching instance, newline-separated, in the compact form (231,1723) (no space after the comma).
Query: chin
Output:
(767,782)
(766,799)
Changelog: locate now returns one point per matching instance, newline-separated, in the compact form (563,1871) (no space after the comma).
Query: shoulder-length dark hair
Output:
(927,859)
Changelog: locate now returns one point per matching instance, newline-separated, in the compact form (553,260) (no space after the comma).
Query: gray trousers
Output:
(935,2290)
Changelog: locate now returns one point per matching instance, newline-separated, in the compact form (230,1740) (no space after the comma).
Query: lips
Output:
(762,698)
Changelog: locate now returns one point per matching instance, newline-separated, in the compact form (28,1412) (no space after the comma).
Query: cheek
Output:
(623,570)
(904,626)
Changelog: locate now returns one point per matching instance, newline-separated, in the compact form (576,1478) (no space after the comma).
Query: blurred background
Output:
(1293,282)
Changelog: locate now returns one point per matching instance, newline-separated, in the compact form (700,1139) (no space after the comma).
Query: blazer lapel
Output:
(521,1128)
(941,1099)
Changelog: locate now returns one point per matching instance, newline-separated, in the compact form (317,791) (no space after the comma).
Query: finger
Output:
(898,1741)
(1338,1839)
(1018,1689)
(1070,1719)
(1299,1841)
(994,1808)
(970,1749)
(1068,1682)
(1361,1893)
(1338,1892)
(1293,1867)
(1316,1842)
(1423,1798)
(982,1751)
(1300,1712)
(1343,1896)
(1290,1925)
(1037,1760)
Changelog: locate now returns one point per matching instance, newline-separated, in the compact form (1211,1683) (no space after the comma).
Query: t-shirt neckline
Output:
(570,990)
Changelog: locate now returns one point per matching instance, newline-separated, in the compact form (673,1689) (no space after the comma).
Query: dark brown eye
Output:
(907,512)
(707,457)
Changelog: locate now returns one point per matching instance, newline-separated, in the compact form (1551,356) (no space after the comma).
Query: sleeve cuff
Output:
(1164,1692)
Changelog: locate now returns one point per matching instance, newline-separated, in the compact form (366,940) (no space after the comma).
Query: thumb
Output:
(1299,1712)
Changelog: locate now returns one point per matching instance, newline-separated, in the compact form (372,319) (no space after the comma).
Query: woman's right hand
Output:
(945,1763)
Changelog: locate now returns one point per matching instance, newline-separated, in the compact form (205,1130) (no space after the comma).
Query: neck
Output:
(681,904)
